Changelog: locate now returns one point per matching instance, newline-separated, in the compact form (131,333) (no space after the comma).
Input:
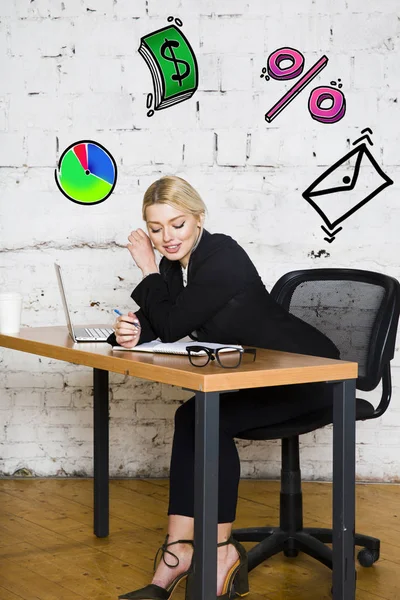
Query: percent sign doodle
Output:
(331,114)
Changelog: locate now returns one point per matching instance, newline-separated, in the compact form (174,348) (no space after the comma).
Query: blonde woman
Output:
(207,287)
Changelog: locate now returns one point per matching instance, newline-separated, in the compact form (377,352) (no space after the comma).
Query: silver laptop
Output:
(80,334)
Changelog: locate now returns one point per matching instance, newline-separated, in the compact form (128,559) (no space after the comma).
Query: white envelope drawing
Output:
(342,189)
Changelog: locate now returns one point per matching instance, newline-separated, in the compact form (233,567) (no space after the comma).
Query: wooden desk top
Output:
(270,368)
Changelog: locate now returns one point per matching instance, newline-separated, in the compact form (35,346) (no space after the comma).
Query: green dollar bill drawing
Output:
(172,64)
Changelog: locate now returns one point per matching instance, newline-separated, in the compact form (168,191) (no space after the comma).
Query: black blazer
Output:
(224,301)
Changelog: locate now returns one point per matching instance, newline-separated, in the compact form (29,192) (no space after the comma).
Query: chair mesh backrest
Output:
(345,311)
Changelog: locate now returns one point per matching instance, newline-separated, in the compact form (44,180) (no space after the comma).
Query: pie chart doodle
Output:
(86,173)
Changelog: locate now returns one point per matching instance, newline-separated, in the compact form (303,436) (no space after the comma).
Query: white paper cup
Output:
(10,312)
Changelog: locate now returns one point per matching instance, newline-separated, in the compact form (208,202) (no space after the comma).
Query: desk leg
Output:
(206,495)
(100,452)
(344,450)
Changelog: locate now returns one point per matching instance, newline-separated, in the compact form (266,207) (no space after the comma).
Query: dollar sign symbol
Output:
(170,45)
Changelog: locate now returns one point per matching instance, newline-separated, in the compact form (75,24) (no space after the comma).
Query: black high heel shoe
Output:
(237,579)
(156,592)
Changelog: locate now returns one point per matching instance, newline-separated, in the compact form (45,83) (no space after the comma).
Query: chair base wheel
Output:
(367,557)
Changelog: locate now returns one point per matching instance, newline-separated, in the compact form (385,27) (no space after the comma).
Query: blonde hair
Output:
(176,192)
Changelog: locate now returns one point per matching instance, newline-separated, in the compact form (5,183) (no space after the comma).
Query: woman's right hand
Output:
(127,334)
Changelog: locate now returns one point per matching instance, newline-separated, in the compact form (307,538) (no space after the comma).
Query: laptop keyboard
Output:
(94,332)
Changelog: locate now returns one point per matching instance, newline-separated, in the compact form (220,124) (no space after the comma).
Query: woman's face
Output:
(172,231)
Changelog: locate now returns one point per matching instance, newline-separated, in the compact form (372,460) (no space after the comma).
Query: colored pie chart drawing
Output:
(86,173)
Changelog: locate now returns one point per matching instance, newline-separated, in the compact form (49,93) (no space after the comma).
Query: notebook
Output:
(175,347)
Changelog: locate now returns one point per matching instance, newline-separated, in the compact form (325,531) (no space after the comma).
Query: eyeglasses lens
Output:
(229,359)
(198,360)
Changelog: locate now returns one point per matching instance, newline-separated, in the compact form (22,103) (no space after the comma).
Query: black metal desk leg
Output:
(100,452)
(344,451)
(206,495)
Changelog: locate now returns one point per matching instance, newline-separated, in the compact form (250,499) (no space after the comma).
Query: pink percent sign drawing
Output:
(332,114)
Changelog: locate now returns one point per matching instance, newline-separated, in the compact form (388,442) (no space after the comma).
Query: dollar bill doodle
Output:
(172,64)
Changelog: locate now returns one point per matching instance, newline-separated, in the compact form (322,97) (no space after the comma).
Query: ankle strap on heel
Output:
(230,540)
(164,550)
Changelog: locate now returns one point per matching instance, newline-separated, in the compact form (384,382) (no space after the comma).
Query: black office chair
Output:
(359,311)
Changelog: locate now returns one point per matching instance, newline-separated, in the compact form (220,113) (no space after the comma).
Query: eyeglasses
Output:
(227,357)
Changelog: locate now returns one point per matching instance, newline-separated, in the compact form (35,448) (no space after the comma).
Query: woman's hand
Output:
(127,334)
(141,250)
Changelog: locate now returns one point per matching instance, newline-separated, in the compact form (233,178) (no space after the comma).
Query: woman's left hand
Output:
(141,250)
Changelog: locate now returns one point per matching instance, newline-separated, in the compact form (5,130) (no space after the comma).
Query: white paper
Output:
(179,347)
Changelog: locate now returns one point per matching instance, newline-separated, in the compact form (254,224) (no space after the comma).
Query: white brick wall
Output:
(70,70)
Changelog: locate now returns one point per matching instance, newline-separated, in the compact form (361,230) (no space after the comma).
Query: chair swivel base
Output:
(311,540)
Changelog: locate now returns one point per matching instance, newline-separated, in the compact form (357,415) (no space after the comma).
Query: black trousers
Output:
(239,411)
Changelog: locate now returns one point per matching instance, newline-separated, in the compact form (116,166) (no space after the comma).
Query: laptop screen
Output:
(64,300)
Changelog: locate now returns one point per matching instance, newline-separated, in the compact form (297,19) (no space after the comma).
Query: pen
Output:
(137,325)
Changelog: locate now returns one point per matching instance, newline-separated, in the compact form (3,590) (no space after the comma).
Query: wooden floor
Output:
(48,550)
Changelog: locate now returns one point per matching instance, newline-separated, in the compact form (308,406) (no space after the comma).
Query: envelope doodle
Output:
(342,190)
